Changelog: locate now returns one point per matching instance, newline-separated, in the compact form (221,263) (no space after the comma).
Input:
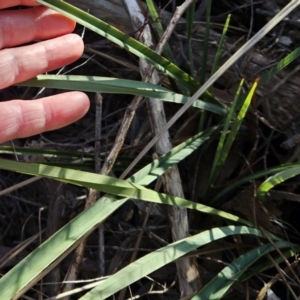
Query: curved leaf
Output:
(116,86)
(111,186)
(125,41)
(160,258)
(217,287)
(254,176)
(277,179)
(41,260)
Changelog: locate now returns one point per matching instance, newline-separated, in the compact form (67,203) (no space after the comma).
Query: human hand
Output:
(24,118)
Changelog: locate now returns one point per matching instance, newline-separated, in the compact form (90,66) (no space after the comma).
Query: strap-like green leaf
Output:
(125,41)
(159,258)
(217,287)
(277,179)
(116,86)
(36,265)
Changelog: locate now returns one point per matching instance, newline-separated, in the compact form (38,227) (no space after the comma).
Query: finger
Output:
(10,3)
(22,26)
(20,64)
(21,119)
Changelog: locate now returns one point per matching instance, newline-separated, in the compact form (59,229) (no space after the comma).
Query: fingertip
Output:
(81,100)
(25,118)
(65,108)
(49,23)
(50,18)
(71,23)
(21,63)
(76,42)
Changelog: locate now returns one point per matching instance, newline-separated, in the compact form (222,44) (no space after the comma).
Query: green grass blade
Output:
(30,270)
(280,65)
(251,177)
(125,41)
(159,258)
(275,180)
(221,150)
(217,287)
(259,35)
(206,43)
(190,14)
(116,86)
(144,176)
(111,186)
(152,171)
(259,268)
(46,153)
(237,123)
(53,157)
(220,47)
(156,22)
(204,60)
(159,29)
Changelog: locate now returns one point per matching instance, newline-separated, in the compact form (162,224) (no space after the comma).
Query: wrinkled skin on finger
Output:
(22,26)
(58,48)
(24,118)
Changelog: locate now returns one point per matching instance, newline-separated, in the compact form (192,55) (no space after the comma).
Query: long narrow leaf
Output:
(125,41)
(222,151)
(159,29)
(259,268)
(217,287)
(235,127)
(220,46)
(190,14)
(157,25)
(115,86)
(111,186)
(275,180)
(280,65)
(160,258)
(206,43)
(152,171)
(73,160)
(36,265)
(251,177)
(204,59)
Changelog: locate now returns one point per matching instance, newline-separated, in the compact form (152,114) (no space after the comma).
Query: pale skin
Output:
(58,47)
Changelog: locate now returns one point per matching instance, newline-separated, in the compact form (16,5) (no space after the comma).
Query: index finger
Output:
(10,3)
